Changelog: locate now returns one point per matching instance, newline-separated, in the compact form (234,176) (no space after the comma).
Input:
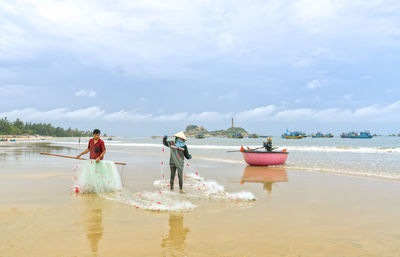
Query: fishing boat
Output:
(321,135)
(237,136)
(199,136)
(264,158)
(253,136)
(293,134)
(352,134)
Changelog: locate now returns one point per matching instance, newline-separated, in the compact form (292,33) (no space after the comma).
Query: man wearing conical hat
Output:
(268,144)
(178,152)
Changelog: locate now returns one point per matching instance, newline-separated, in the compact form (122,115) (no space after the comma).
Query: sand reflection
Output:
(93,219)
(174,243)
(265,175)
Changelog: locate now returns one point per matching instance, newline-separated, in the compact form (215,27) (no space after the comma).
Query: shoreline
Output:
(297,213)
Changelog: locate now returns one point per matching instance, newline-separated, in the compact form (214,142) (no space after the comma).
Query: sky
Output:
(151,67)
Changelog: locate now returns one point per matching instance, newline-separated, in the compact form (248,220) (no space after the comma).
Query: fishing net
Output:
(196,186)
(93,177)
(104,179)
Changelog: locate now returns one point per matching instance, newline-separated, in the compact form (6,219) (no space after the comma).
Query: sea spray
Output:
(153,201)
(103,178)
(196,186)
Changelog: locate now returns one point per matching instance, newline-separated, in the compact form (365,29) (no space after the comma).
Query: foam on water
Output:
(304,148)
(352,172)
(196,186)
(153,201)
(103,178)
(345,149)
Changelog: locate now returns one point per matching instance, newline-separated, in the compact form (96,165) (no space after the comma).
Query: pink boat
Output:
(264,158)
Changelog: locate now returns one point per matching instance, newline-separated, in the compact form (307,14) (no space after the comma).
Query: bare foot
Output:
(181,191)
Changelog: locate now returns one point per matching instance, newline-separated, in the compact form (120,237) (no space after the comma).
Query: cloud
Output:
(207,116)
(313,84)
(373,113)
(88,93)
(141,35)
(259,113)
(32,114)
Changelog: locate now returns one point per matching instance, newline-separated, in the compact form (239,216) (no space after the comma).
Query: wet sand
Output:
(297,213)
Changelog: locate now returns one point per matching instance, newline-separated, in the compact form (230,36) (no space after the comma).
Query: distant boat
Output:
(293,134)
(237,136)
(264,158)
(253,136)
(321,135)
(352,134)
(199,136)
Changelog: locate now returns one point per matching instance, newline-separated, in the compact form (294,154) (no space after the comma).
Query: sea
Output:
(375,158)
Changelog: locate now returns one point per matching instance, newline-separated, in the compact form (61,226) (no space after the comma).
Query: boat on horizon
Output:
(255,157)
(199,136)
(322,135)
(352,134)
(293,134)
(237,136)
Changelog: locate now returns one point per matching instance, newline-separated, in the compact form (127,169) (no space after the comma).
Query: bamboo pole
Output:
(71,157)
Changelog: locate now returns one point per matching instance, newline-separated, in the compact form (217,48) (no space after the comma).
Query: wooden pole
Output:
(64,156)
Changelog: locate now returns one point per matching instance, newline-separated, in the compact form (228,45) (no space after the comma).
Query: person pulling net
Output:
(178,152)
(96,175)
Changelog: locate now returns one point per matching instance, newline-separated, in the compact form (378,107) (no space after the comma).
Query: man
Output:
(95,147)
(178,152)
(268,145)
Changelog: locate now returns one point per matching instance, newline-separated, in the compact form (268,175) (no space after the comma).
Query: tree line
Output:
(44,129)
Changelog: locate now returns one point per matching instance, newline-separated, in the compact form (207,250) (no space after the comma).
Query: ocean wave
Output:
(337,149)
(345,149)
(351,172)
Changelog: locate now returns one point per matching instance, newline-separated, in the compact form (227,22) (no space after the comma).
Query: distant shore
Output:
(24,137)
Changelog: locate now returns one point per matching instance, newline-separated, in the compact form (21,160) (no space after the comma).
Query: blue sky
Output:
(138,68)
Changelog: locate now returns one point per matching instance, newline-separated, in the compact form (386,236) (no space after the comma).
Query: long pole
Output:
(71,157)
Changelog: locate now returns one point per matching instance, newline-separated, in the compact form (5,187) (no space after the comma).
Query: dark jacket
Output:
(177,153)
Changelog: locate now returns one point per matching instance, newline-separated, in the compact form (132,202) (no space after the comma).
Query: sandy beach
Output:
(297,213)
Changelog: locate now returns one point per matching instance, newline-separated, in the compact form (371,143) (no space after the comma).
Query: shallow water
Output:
(375,158)
(296,213)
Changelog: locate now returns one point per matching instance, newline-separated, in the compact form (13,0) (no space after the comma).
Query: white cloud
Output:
(259,113)
(373,113)
(88,93)
(313,84)
(206,116)
(150,32)
(307,11)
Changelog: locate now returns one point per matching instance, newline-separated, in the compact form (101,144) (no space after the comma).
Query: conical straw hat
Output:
(181,135)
